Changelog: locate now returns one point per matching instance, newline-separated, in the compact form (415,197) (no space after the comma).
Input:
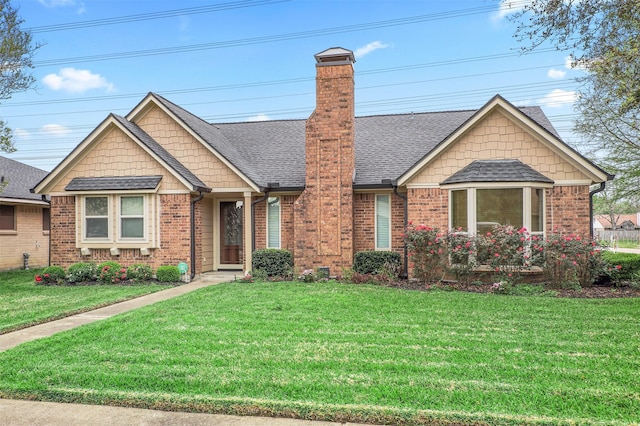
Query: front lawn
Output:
(23,304)
(349,353)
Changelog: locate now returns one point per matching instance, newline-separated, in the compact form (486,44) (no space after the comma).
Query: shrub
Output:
(621,266)
(82,271)
(505,250)
(51,275)
(461,250)
(168,274)
(427,250)
(571,261)
(139,272)
(273,262)
(111,272)
(377,262)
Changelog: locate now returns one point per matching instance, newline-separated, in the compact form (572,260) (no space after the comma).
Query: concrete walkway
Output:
(23,413)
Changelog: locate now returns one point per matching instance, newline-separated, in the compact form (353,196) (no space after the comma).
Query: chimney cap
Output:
(335,56)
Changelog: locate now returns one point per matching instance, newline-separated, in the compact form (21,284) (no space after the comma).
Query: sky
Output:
(244,60)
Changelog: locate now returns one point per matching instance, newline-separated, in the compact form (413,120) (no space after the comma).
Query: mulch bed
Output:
(593,292)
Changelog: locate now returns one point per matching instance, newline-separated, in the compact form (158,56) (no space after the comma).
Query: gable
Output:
(188,150)
(116,154)
(497,136)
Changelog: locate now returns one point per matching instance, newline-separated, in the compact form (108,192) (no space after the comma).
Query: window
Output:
(96,216)
(383,222)
(7,218)
(273,222)
(480,209)
(46,219)
(132,217)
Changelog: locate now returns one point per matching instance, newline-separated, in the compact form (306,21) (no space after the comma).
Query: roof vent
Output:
(335,56)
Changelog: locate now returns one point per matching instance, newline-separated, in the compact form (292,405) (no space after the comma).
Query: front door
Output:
(231,233)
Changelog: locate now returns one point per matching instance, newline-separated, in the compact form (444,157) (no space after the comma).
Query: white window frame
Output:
(526,205)
(109,217)
(389,243)
(144,216)
(269,229)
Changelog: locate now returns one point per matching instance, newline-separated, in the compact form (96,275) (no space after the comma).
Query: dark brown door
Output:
(230,232)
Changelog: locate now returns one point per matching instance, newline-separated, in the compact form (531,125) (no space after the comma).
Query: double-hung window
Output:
(132,217)
(273,222)
(96,218)
(383,222)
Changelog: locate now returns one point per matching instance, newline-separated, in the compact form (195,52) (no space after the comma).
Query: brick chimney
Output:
(323,216)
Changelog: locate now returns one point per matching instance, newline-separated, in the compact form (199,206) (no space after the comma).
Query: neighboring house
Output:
(627,222)
(161,185)
(24,216)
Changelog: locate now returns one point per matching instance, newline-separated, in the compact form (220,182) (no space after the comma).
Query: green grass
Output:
(350,353)
(22,303)
(628,244)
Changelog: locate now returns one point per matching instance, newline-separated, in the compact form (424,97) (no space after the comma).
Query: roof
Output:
(115,183)
(21,178)
(496,171)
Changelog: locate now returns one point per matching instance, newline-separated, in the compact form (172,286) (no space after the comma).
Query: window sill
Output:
(8,232)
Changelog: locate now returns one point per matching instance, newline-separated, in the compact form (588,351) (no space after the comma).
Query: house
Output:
(161,186)
(24,217)
(626,222)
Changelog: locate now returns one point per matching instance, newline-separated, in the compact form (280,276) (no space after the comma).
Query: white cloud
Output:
(259,117)
(76,81)
(558,98)
(55,130)
(507,7)
(57,3)
(21,133)
(556,74)
(570,63)
(360,52)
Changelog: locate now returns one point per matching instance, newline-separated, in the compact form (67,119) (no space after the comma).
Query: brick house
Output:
(161,185)
(24,216)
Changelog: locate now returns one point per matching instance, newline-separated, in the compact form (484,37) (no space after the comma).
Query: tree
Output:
(16,53)
(603,38)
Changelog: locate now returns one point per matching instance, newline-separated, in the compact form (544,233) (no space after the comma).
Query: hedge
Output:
(273,262)
(374,262)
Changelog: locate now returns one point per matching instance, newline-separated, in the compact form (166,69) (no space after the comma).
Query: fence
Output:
(617,235)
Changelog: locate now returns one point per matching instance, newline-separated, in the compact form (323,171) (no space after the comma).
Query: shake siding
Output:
(186,149)
(117,155)
(497,137)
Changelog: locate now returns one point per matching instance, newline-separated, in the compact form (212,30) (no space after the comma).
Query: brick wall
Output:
(175,237)
(323,224)
(27,238)
(287,203)
(567,210)
(429,206)
(364,222)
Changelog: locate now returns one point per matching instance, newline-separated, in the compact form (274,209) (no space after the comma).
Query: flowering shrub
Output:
(139,272)
(506,250)
(307,276)
(111,273)
(427,249)
(51,275)
(571,261)
(81,272)
(461,249)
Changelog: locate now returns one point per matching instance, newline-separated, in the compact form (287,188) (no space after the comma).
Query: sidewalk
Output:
(23,413)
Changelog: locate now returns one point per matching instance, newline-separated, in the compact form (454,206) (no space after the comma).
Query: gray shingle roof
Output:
(496,171)
(157,149)
(21,178)
(115,183)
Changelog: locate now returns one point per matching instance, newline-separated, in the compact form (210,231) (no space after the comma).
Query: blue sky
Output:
(236,60)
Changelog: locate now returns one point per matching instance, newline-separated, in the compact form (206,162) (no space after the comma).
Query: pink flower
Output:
(38,278)
(618,266)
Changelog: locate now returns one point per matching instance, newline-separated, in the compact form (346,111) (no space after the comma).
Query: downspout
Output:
(591,194)
(44,198)
(394,185)
(193,233)
(253,216)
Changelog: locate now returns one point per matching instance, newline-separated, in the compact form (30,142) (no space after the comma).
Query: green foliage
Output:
(427,250)
(571,261)
(377,262)
(81,272)
(168,274)
(51,275)
(139,272)
(273,262)
(621,266)
(111,272)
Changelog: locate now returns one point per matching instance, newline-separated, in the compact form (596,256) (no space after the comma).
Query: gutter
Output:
(591,194)
(394,185)
(44,198)
(265,197)
(193,232)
